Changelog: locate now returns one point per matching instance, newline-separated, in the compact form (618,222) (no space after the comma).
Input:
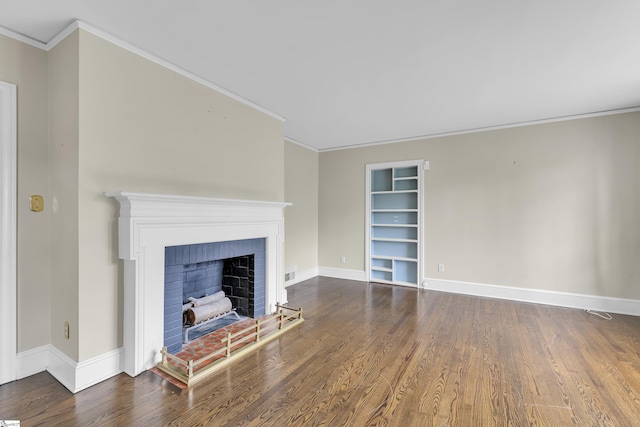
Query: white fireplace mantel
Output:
(150,222)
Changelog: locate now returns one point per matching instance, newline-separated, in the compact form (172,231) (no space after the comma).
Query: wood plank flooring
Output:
(378,355)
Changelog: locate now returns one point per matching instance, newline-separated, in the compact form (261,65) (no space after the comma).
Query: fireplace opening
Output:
(238,284)
(231,275)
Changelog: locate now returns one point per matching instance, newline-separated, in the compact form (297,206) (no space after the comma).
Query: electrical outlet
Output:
(343,259)
(289,276)
(290,272)
(66,330)
(441,268)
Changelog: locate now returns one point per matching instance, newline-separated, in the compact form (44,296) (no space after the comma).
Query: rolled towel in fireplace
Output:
(207,299)
(201,313)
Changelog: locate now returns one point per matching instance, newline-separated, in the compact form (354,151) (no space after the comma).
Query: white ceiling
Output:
(347,72)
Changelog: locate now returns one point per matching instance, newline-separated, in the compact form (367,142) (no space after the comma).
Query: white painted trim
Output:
(343,273)
(537,296)
(486,129)
(153,58)
(98,369)
(293,141)
(8,245)
(66,32)
(148,223)
(32,361)
(63,368)
(140,52)
(78,376)
(302,275)
(24,39)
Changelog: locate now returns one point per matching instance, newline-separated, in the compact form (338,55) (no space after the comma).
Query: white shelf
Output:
(395,225)
(382,269)
(394,210)
(394,192)
(388,239)
(395,258)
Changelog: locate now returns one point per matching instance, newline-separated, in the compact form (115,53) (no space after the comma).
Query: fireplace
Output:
(149,223)
(194,271)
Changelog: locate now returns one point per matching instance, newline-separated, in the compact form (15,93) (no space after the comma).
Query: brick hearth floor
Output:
(207,344)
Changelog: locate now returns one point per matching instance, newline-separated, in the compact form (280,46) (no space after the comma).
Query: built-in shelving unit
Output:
(394,217)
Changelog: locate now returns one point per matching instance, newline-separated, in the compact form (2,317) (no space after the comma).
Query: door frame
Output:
(8,240)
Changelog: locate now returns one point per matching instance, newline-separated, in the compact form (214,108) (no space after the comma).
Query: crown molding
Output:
(488,128)
(140,52)
(24,39)
(308,147)
(62,35)
(153,58)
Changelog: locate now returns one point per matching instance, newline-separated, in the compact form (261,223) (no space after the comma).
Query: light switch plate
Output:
(36,203)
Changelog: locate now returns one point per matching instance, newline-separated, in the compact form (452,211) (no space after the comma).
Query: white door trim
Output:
(8,198)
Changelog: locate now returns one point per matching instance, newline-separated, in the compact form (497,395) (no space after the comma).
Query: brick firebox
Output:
(198,270)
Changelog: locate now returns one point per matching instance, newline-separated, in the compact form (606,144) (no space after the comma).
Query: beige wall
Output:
(26,67)
(145,128)
(93,117)
(301,219)
(63,111)
(341,213)
(552,206)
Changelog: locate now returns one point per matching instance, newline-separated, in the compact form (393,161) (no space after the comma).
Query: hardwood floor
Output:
(370,354)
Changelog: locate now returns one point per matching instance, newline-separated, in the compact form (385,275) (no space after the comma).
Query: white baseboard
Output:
(63,368)
(99,368)
(538,296)
(71,374)
(343,273)
(302,275)
(32,361)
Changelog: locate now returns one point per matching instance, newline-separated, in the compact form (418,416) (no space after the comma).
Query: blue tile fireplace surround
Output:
(204,269)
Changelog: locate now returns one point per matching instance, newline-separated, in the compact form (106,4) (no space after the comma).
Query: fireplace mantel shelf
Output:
(166,205)
(148,223)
